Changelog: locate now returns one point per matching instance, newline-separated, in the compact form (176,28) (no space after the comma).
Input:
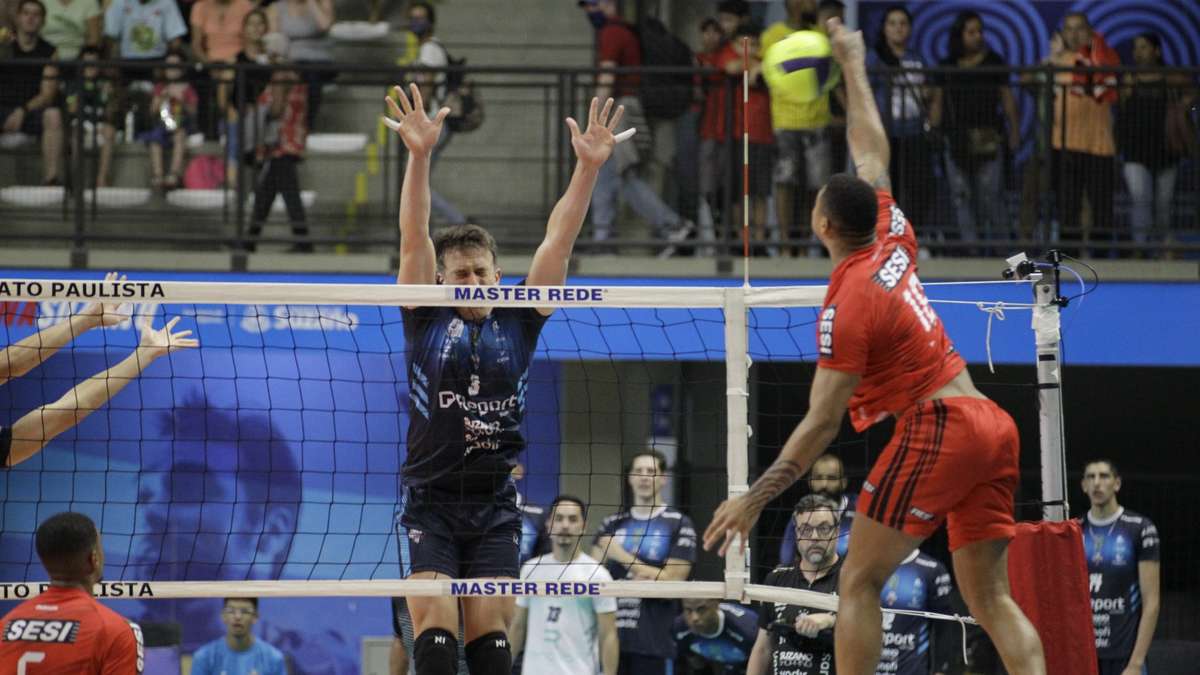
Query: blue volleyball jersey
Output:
(1114,547)
(729,648)
(787,547)
(467,382)
(920,583)
(535,538)
(644,625)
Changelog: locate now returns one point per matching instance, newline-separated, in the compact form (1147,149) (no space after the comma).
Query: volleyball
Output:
(800,64)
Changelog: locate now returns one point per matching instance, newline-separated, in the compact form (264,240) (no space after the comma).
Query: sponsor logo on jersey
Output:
(415,536)
(449,399)
(825,331)
(896,224)
(41,630)
(893,269)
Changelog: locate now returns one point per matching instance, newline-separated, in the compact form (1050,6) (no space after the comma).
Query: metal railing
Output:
(966,189)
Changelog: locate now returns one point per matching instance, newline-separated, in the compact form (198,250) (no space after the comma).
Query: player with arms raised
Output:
(467,371)
(883,352)
(65,629)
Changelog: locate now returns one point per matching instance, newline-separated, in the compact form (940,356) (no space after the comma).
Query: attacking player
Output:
(883,352)
(467,372)
(65,629)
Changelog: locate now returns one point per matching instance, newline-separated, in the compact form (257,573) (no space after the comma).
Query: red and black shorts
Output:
(954,459)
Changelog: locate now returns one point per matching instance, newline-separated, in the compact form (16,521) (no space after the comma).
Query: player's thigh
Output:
(483,615)
(874,552)
(432,612)
(494,548)
(981,570)
(985,512)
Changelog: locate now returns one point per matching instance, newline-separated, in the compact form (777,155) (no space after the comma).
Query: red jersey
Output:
(65,631)
(616,42)
(876,322)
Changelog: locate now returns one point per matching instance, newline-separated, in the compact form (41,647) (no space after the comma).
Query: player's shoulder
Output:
(270,652)
(592,566)
(1134,518)
(615,519)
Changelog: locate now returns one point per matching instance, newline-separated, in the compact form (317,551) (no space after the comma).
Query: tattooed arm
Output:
(831,391)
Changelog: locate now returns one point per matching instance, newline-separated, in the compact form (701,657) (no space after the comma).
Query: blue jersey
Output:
(1114,547)
(535,538)
(644,625)
(216,658)
(920,583)
(787,548)
(729,647)
(467,383)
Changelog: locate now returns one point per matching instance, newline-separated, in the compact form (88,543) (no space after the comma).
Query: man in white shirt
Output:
(566,635)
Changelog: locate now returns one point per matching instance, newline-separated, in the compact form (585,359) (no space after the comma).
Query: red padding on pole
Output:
(1049,578)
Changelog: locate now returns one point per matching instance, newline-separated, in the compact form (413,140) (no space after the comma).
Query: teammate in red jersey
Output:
(883,352)
(65,629)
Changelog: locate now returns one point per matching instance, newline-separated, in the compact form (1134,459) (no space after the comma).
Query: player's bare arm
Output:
(593,147)
(864,130)
(610,646)
(418,263)
(831,391)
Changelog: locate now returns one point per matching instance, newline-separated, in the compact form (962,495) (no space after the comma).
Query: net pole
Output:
(746,161)
(737,432)
(1047,334)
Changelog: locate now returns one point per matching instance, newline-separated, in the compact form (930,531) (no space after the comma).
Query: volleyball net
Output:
(266,462)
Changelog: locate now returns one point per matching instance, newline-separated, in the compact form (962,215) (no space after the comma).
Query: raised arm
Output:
(864,130)
(23,356)
(592,148)
(418,263)
(33,431)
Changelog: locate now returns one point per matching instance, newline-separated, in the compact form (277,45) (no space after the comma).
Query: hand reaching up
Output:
(107,313)
(847,45)
(162,341)
(595,145)
(408,119)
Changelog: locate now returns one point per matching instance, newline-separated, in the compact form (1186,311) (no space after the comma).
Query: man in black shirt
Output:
(29,95)
(794,640)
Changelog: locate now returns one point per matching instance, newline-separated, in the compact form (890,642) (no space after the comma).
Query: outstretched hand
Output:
(847,45)
(731,522)
(162,341)
(595,145)
(408,119)
(105,314)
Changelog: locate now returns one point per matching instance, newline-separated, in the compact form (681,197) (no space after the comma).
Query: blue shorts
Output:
(460,536)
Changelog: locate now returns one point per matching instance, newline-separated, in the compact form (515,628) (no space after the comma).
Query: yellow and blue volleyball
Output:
(800,65)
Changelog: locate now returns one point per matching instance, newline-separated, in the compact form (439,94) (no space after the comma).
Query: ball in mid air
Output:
(800,65)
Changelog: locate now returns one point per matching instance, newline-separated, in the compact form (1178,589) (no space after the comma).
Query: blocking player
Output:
(467,369)
(566,635)
(884,352)
(1123,572)
(36,428)
(65,629)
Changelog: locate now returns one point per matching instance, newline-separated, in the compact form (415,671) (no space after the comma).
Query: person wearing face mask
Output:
(793,639)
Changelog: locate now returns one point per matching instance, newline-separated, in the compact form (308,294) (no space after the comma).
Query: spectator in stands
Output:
(1122,549)
(422,21)
(793,639)
(1035,175)
(71,24)
(716,50)
(965,106)
(903,101)
(29,94)
(714,637)
(731,14)
(1083,131)
(306,25)
(826,477)
(144,30)
(254,51)
(8,25)
(648,541)
(238,653)
(216,39)
(283,108)
(1150,145)
(762,141)
(617,47)
(802,140)
(566,635)
(173,106)
(915,645)
(92,101)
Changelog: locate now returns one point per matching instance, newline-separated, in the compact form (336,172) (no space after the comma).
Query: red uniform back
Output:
(65,631)
(876,322)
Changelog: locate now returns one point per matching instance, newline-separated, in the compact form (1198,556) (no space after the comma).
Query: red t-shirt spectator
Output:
(616,42)
(712,124)
(65,630)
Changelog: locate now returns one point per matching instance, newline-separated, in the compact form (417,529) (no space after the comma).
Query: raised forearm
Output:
(864,129)
(566,220)
(25,355)
(807,442)
(414,201)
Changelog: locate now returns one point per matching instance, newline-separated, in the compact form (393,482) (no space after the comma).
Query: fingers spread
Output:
(391,123)
(573,126)
(625,135)
(171,324)
(418,102)
(603,119)
(441,115)
(592,110)
(616,119)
